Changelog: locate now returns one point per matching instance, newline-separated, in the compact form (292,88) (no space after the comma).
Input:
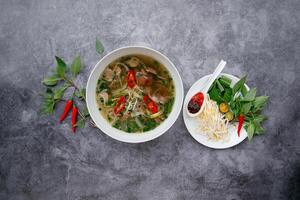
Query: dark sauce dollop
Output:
(195,103)
(193,107)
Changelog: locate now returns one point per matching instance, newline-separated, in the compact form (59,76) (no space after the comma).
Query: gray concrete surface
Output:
(41,159)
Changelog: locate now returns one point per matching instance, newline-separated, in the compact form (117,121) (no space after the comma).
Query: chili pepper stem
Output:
(90,122)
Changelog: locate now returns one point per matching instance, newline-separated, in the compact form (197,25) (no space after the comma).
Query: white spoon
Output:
(203,92)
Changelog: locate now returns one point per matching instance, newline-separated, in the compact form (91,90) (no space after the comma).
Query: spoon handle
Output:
(215,75)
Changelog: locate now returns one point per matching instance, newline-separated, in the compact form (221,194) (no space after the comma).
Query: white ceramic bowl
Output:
(103,124)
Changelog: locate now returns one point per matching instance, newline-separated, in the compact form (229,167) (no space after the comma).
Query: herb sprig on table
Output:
(244,105)
(64,78)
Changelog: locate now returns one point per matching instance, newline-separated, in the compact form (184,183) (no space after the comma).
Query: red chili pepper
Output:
(74,117)
(131,80)
(151,105)
(240,125)
(66,111)
(120,105)
(146,99)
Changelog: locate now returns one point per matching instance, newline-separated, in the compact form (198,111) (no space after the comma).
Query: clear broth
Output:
(152,80)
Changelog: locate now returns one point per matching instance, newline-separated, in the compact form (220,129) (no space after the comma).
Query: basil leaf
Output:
(76,66)
(51,80)
(250,96)
(260,102)
(80,123)
(48,94)
(228,94)
(59,92)
(236,108)
(61,66)
(85,112)
(244,90)
(81,93)
(99,46)
(225,81)
(258,128)
(237,87)
(246,107)
(250,131)
(78,94)
(260,118)
(48,103)
(214,94)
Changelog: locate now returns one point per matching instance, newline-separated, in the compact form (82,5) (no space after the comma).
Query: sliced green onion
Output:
(219,86)
(139,123)
(225,81)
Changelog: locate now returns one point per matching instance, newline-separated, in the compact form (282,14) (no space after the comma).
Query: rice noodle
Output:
(213,123)
(123,65)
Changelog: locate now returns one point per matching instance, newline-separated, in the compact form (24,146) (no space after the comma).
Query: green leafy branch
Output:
(62,79)
(241,102)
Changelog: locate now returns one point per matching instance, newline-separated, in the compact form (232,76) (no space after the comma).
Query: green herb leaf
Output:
(244,90)
(59,92)
(150,124)
(51,80)
(250,96)
(260,102)
(227,94)
(80,123)
(220,87)
(117,124)
(168,107)
(110,103)
(78,94)
(85,112)
(236,108)
(225,81)
(99,46)
(246,108)
(250,131)
(238,86)
(260,118)
(258,128)
(48,102)
(132,126)
(214,94)
(76,66)
(61,66)
(81,93)
(102,85)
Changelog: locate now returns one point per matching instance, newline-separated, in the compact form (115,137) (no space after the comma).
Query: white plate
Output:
(192,124)
(104,125)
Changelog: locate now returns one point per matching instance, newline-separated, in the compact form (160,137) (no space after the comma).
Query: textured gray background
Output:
(41,159)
